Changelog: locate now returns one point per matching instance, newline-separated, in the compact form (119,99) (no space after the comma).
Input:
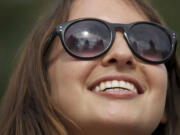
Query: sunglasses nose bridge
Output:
(119,27)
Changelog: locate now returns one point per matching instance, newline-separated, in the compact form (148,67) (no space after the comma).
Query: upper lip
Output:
(126,78)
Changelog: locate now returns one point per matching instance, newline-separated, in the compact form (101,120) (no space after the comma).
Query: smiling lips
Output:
(117,86)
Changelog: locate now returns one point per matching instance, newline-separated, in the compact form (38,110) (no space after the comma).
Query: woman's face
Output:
(114,112)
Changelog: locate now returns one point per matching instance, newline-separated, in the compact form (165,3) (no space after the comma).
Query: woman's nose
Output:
(119,54)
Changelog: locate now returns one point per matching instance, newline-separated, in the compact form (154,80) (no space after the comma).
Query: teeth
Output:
(122,84)
(97,88)
(115,83)
(102,86)
(110,85)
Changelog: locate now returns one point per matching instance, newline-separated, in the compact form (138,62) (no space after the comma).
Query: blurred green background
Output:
(17,18)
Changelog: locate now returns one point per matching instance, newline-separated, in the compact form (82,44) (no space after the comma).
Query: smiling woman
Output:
(90,69)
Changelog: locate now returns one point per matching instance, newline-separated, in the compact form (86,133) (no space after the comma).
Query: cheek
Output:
(155,97)
(73,72)
(67,79)
(157,79)
(67,87)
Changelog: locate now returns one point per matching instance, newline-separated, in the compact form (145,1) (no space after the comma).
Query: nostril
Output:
(113,61)
(129,62)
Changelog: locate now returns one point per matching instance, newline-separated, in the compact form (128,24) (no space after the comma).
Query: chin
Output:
(114,125)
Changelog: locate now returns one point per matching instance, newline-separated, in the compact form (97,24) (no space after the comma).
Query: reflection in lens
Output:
(87,38)
(150,42)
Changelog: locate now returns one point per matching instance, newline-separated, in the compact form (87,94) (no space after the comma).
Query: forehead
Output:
(115,11)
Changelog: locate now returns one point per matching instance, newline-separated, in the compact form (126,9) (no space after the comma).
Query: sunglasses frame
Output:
(61,29)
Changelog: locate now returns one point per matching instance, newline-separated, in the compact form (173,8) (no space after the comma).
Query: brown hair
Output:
(27,106)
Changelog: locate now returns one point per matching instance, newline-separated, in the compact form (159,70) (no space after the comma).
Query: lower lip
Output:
(121,94)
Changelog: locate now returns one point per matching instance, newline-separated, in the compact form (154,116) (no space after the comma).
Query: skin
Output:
(98,115)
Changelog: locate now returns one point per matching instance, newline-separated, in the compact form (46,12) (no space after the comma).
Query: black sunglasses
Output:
(88,38)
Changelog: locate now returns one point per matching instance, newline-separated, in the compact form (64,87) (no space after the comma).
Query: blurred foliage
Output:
(17,18)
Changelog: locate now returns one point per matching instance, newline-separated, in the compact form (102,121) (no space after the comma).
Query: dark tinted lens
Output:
(87,38)
(150,42)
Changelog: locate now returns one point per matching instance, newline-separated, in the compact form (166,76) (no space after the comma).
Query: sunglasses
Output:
(88,38)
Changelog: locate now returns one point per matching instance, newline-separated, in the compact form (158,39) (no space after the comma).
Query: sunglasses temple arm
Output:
(49,42)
